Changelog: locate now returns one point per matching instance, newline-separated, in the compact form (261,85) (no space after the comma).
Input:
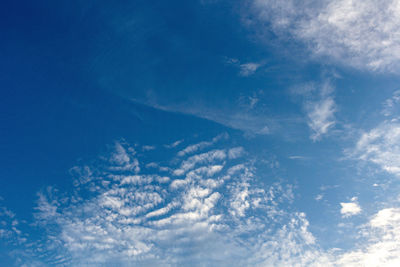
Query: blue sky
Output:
(200,133)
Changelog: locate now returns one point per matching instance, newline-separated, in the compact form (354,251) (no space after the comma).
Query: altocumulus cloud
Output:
(215,212)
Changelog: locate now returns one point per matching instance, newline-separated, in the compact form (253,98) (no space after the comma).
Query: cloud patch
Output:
(350,208)
(381,246)
(362,34)
(319,105)
(218,214)
(380,147)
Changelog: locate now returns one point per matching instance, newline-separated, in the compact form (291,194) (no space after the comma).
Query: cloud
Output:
(249,123)
(193,148)
(122,159)
(391,104)
(220,215)
(9,231)
(245,69)
(148,148)
(321,116)
(235,152)
(297,157)
(174,144)
(248,69)
(191,162)
(362,34)
(319,197)
(319,105)
(350,208)
(380,147)
(381,246)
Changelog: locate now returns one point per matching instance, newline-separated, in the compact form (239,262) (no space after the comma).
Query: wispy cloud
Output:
(148,148)
(380,146)
(298,157)
(320,107)
(391,105)
(248,122)
(248,69)
(362,34)
(321,116)
(174,144)
(9,227)
(245,69)
(194,148)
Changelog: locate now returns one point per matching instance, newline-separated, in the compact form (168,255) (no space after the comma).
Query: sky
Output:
(200,133)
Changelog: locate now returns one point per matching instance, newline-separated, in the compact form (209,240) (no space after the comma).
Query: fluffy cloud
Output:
(363,34)
(350,208)
(381,246)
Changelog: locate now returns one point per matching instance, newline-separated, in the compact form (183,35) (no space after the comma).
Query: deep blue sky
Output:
(121,124)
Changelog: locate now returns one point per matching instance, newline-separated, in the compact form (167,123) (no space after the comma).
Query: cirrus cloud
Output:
(362,34)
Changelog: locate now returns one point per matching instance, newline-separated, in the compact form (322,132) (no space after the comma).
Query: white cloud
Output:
(252,123)
(380,146)
(391,105)
(148,148)
(381,246)
(120,155)
(122,158)
(321,117)
(319,105)
(217,216)
(319,197)
(192,161)
(362,34)
(152,165)
(245,69)
(174,144)
(350,208)
(82,175)
(194,148)
(9,227)
(297,157)
(248,69)
(235,152)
